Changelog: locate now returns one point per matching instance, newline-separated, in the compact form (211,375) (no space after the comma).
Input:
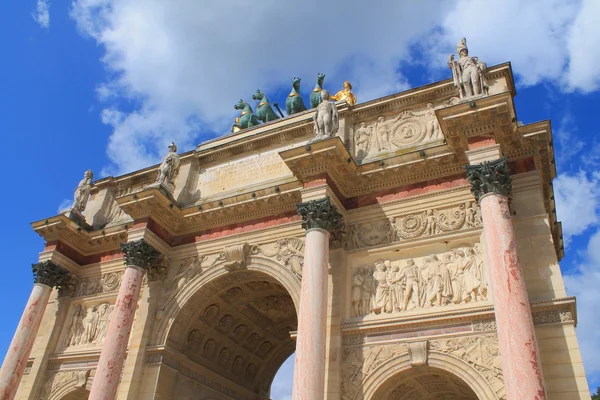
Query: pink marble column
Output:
(114,350)
(309,369)
(320,218)
(20,347)
(518,347)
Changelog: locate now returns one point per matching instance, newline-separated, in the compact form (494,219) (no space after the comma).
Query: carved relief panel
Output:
(435,221)
(408,130)
(86,325)
(450,278)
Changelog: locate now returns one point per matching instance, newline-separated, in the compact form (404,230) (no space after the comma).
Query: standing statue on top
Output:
(468,72)
(294,103)
(315,96)
(264,111)
(326,117)
(82,193)
(345,94)
(169,168)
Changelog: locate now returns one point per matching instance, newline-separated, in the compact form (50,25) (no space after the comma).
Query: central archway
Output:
(425,383)
(234,334)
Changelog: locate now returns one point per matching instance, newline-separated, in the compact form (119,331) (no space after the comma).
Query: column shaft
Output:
(20,347)
(518,347)
(110,365)
(309,369)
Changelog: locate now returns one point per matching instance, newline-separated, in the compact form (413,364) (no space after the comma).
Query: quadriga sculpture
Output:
(264,111)
(315,96)
(247,118)
(294,103)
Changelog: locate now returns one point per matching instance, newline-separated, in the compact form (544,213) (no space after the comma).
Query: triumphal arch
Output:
(404,248)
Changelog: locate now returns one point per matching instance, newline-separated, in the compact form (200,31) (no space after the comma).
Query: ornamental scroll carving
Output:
(409,129)
(411,226)
(88,325)
(106,283)
(450,278)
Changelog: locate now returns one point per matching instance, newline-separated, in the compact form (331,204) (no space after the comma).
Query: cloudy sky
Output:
(107,84)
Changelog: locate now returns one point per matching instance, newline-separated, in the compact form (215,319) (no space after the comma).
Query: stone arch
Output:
(449,363)
(69,390)
(233,324)
(273,269)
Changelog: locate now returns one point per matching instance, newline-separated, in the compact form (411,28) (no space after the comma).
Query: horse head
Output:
(258,95)
(320,79)
(296,83)
(240,105)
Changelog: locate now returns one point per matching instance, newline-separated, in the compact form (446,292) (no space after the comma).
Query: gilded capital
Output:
(142,255)
(51,274)
(490,177)
(320,214)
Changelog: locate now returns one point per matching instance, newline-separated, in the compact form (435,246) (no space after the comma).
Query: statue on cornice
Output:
(468,72)
(169,168)
(326,117)
(82,193)
(345,94)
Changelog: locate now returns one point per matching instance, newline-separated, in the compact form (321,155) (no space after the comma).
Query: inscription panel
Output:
(248,171)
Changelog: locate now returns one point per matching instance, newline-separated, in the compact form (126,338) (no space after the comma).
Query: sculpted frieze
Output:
(288,251)
(88,325)
(411,128)
(426,223)
(105,283)
(438,280)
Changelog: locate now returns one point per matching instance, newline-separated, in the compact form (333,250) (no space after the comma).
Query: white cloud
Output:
(64,205)
(42,13)
(184,62)
(583,282)
(577,201)
(583,48)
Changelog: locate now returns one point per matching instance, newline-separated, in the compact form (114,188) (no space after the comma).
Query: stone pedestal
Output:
(320,218)
(46,275)
(518,346)
(139,256)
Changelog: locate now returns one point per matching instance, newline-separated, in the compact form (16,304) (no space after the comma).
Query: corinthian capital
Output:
(51,274)
(142,255)
(320,214)
(490,177)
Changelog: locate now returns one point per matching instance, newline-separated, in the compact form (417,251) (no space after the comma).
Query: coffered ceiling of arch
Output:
(424,383)
(241,331)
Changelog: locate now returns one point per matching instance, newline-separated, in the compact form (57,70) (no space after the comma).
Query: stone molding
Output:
(51,274)
(490,177)
(321,214)
(140,254)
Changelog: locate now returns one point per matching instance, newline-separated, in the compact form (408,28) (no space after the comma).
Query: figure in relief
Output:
(326,117)
(362,139)
(82,193)
(345,94)
(315,96)
(430,223)
(383,134)
(453,277)
(410,274)
(169,168)
(294,103)
(187,271)
(468,72)
(89,325)
(432,125)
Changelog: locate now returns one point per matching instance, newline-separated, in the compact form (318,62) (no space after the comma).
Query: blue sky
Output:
(107,84)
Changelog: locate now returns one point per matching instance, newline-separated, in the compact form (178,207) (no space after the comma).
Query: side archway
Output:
(388,375)
(72,390)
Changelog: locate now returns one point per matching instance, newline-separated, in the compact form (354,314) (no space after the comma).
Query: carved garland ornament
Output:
(411,226)
(490,177)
